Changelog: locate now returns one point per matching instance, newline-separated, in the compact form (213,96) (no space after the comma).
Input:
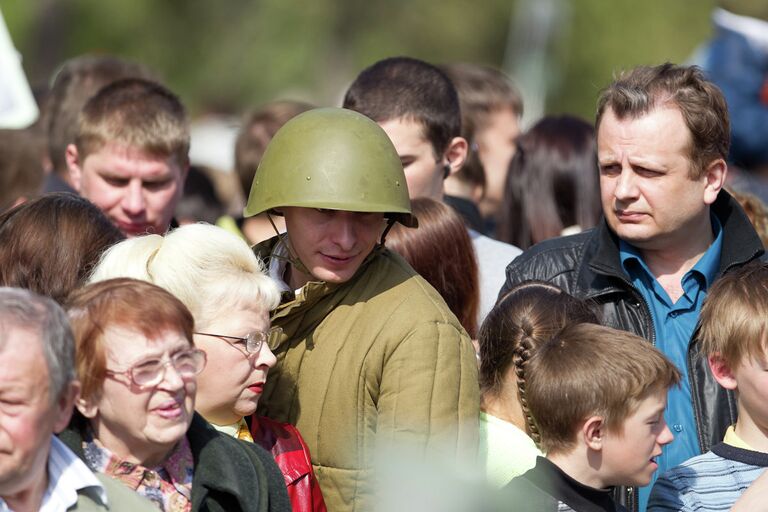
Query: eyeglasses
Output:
(252,342)
(151,372)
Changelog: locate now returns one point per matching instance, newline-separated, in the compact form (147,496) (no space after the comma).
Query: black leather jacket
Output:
(588,266)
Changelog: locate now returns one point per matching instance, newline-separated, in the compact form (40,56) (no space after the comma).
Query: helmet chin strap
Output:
(292,259)
(390,223)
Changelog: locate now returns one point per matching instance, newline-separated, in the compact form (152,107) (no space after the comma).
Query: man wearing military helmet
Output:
(370,356)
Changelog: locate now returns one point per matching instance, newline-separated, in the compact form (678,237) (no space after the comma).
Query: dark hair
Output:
(637,92)
(50,244)
(523,319)
(442,252)
(74,84)
(257,130)
(553,182)
(411,89)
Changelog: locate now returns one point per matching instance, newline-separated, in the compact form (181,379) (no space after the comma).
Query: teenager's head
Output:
(492,106)
(335,177)
(734,325)
(418,107)
(604,389)
(130,155)
(525,318)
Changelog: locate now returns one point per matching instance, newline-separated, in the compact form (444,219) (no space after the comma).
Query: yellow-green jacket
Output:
(378,361)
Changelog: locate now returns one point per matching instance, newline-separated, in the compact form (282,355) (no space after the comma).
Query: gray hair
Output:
(28,310)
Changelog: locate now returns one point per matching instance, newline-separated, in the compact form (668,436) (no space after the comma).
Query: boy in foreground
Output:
(733,328)
(596,399)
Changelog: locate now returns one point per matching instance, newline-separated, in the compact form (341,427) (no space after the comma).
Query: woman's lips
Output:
(257,388)
(169,410)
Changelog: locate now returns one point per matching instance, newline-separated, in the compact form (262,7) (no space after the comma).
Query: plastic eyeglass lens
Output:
(255,340)
(188,364)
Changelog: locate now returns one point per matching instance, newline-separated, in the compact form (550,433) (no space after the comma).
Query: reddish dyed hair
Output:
(442,252)
(127,303)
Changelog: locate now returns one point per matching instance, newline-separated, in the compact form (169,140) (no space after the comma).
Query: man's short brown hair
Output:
(137,113)
(482,90)
(589,370)
(74,84)
(643,89)
(734,316)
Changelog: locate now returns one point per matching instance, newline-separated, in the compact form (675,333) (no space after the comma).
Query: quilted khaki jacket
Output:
(376,362)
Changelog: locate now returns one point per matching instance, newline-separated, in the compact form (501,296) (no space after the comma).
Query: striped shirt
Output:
(67,475)
(712,481)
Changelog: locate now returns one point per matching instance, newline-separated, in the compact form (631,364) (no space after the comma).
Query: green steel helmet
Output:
(331,158)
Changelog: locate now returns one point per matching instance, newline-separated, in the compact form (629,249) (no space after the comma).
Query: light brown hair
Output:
(127,303)
(74,84)
(525,318)
(135,113)
(643,89)
(588,370)
(734,316)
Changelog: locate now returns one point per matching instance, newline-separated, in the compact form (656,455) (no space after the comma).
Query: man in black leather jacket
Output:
(663,136)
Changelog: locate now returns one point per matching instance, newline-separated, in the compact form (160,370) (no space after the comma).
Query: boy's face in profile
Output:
(628,457)
(750,381)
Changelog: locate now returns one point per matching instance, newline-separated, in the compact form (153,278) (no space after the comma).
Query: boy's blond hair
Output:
(136,113)
(591,370)
(734,317)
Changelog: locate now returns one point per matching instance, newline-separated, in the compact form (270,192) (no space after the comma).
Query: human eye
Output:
(647,172)
(406,161)
(610,169)
(156,185)
(116,181)
(255,340)
(146,370)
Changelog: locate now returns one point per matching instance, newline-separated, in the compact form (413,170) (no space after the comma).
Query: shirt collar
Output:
(67,475)
(707,266)
(278,262)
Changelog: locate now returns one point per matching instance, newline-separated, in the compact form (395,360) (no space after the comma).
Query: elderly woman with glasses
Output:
(135,421)
(217,276)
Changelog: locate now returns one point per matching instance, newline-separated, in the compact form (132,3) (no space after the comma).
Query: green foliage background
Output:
(233,54)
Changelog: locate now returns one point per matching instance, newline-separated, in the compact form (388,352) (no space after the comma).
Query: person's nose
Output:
(344,232)
(265,357)
(133,201)
(172,379)
(665,436)
(626,184)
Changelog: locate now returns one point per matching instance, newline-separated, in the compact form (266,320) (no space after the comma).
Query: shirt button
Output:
(677,428)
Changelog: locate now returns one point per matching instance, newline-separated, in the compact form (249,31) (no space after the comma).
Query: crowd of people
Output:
(419,307)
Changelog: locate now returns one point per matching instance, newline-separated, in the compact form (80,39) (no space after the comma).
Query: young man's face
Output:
(648,197)
(496,147)
(137,191)
(628,456)
(423,171)
(331,244)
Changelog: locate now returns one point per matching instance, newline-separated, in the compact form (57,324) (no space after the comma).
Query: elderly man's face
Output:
(28,416)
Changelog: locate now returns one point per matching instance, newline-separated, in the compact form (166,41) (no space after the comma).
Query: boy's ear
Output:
(722,371)
(456,154)
(593,432)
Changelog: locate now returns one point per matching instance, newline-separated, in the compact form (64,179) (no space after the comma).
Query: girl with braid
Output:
(526,317)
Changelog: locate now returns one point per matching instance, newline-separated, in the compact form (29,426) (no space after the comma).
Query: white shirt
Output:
(67,474)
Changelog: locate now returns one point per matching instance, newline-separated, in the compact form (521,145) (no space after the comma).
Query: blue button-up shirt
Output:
(674,325)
